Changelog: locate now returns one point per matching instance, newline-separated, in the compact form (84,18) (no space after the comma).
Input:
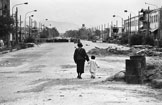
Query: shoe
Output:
(93,77)
(78,77)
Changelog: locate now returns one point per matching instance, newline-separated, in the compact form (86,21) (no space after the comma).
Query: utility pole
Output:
(130,24)
(148,21)
(102,32)
(29,25)
(147,24)
(128,30)
(16,25)
(160,27)
(20,29)
(116,23)
(129,34)
(138,21)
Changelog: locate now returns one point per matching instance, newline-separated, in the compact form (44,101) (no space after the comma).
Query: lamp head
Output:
(142,10)
(26,3)
(125,11)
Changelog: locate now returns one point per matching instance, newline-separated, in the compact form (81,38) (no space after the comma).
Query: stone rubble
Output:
(153,72)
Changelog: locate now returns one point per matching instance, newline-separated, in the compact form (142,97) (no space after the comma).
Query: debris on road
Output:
(109,51)
(120,76)
(144,50)
(153,66)
(153,70)
(147,50)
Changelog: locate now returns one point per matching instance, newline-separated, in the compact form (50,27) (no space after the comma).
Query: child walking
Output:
(93,67)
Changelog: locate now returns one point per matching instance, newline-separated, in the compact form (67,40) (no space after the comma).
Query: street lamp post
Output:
(46,22)
(20,29)
(17,5)
(129,26)
(16,18)
(16,25)
(25,20)
(121,23)
(30,24)
(119,17)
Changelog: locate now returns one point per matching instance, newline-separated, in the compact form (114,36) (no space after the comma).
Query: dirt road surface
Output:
(46,75)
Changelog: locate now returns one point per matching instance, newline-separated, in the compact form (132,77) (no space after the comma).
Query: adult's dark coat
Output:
(80,56)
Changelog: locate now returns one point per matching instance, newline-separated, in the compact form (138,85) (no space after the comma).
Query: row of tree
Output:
(7,27)
(134,39)
(83,34)
(49,33)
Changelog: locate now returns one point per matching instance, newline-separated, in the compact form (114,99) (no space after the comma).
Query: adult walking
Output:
(80,56)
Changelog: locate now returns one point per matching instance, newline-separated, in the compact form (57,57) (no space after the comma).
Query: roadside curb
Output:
(13,50)
(7,51)
(4,52)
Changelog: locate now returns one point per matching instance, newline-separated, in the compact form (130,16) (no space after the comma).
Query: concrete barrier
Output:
(142,60)
(156,83)
(133,72)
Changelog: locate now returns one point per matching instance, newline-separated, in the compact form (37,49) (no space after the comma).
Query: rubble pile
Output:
(153,74)
(153,70)
(120,76)
(153,67)
(146,50)
(109,51)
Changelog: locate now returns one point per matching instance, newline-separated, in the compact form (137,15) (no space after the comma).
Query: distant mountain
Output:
(62,27)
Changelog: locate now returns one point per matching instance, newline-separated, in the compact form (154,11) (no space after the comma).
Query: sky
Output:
(92,13)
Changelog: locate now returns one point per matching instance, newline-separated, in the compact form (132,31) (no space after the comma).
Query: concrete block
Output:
(156,83)
(133,72)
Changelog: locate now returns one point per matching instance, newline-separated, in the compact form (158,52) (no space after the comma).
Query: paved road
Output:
(46,75)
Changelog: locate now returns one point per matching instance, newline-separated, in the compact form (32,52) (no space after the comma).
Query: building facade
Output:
(133,24)
(154,20)
(4,7)
(4,20)
(0,7)
(150,22)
